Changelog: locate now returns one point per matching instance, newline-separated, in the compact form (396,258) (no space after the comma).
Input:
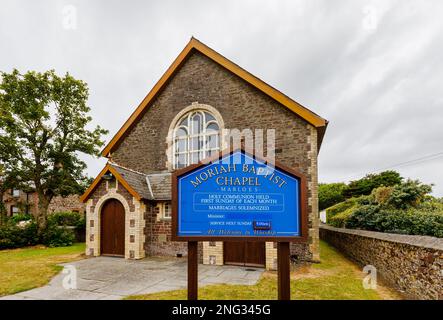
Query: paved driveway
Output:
(104,278)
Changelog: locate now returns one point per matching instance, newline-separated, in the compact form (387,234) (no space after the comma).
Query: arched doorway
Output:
(112,231)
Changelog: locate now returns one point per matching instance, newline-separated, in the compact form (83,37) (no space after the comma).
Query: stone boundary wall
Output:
(412,264)
(69,203)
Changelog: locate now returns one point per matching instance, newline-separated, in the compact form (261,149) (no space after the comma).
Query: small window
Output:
(167,210)
(16,193)
(14,210)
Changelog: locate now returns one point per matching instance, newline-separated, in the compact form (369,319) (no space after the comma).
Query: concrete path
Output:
(106,278)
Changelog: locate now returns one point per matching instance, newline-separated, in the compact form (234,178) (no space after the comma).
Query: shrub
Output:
(81,223)
(381,195)
(14,236)
(412,221)
(365,185)
(65,218)
(339,208)
(57,236)
(364,217)
(330,194)
(431,204)
(340,219)
(21,217)
(405,208)
(410,193)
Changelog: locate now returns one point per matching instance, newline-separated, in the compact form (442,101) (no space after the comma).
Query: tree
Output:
(408,194)
(2,192)
(371,181)
(43,126)
(330,194)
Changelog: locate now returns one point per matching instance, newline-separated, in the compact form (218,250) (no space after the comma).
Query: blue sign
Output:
(238,196)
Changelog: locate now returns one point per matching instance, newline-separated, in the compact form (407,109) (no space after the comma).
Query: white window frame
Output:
(195,106)
(15,193)
(165,211)
(202,135)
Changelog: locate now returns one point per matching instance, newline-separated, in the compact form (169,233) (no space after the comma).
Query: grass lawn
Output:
(334,278)
(27,268)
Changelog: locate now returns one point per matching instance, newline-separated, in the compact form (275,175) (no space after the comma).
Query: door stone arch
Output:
(112,233)
(134,223)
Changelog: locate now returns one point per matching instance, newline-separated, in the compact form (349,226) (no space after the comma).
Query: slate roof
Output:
(160,185)
(156,186)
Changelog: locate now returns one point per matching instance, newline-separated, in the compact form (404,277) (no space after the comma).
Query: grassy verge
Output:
(334,278)
(27,268)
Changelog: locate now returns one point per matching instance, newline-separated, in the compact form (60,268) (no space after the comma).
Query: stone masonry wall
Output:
(241,106)
(158,235)
(30,201)
(213,253)
(412,264)
(69,203)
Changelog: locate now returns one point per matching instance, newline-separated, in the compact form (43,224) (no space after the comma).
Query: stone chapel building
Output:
(178,123)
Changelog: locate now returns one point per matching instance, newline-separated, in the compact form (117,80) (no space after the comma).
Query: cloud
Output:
(378,84)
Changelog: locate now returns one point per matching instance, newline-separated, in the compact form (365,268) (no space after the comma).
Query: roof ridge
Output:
(149,187)
(125,168)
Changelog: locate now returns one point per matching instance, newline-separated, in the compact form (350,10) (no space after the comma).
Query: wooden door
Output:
(245,253)
(234,253)
(113,228)
(255,254)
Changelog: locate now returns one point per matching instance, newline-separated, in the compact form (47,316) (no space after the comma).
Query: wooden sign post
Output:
(192,270)
(237,197)
(283,269)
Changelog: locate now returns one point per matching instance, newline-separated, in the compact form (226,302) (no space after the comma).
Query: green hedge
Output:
(330,194)
(57,236)
(21,217)
(412,221)
(16,234)
(67,218)
(13,236)
(405,208)
(340,219)
(340,207)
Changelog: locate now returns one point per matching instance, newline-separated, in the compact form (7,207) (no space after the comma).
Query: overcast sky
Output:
(374,69)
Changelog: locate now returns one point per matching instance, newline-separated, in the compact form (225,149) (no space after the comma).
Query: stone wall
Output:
(412,264)
(28,202)
(241,106)
(213,253)
(271,255)
(69,203)
(158,235)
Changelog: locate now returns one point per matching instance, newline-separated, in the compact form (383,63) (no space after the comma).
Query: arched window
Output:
(196,136)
